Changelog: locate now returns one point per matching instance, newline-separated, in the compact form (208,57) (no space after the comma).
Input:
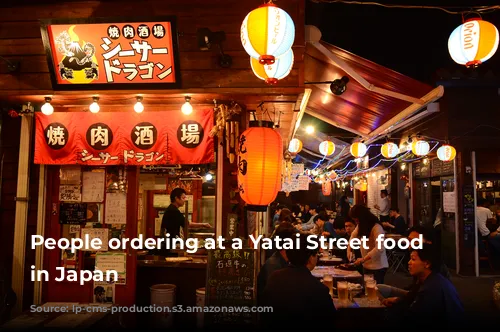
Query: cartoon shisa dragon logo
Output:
(79,64)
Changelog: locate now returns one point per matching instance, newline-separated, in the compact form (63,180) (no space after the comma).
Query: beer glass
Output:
(367,277)
(371,288)
(328,282)
(343,290)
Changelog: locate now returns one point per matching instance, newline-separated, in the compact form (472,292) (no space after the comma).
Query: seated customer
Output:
(278,259)
(397,224)
(297,297)
(433,301)
(318,227)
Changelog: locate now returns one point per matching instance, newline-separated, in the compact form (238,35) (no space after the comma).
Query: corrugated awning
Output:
(377,99)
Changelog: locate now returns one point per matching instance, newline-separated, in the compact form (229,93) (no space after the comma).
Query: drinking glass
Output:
(328,282)
(371,287)
(367,277)
(342,290)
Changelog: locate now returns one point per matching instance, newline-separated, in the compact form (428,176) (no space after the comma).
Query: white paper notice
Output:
(303,182)
(100,233)
(116,208)
(449,202)
(70,175)
(93,186)
(297,169)
(116,261)
(161,201)
(69,193)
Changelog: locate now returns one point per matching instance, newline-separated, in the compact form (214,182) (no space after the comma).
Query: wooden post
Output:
(40,228)
(21,220)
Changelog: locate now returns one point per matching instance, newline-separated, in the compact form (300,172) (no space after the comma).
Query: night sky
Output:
(413,42)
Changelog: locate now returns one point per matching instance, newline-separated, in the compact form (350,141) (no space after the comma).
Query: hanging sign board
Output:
(117,54)
(136,139)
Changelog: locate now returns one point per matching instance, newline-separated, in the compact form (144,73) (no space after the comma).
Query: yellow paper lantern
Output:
(332,175)
(446,153)
(267,33)
(260,161)
(389,150)
(295,145)
(358,149)
(272,73)
(327,148)
(473,42)
(420,148)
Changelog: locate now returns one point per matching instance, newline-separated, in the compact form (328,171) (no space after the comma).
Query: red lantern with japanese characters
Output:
(260,159)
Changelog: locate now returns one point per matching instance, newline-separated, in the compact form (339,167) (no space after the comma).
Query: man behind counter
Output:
(173,219)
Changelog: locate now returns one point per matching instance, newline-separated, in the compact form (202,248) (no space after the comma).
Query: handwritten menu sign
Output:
(439,167)
(70,175)
(93,186)
(100,233)
(303,182)
(106,261)
(116,208)
(449,202)
(69,193)
(230,282)
(469,210)
(72,213)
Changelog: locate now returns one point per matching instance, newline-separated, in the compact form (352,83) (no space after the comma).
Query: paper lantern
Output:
(260,160)
(272,73)
(363,187)
(327,148)
(446,153)
(267,33)
(295,145)
(473,42)
(326,188)
(420,148)
(358,149)
(389,150)
(332,175)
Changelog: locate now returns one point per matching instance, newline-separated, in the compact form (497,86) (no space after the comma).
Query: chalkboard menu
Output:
(230,284)
(422,171)
(469,216)
(440,168)
(72,213)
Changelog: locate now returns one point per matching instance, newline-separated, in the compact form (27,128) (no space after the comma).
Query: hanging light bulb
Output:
(139,107)
(310,130)
(47,108)
(209,177)
(403,167)
(187,108)
(94,107)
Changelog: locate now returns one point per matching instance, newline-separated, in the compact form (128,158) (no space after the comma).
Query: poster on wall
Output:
(70,175)
(93,233)
(117,261)
(104,292)
(112,54)
(70,193)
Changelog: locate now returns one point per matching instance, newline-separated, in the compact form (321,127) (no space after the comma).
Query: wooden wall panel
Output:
(20,40)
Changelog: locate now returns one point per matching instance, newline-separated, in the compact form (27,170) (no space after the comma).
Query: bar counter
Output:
(187,276)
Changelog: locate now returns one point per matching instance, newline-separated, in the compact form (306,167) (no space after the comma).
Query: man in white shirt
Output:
(483,215)
(384,206)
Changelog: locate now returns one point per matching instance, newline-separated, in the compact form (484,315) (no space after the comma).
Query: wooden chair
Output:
(486,255)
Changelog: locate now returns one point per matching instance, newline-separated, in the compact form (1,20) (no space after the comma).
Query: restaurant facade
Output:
(116,107)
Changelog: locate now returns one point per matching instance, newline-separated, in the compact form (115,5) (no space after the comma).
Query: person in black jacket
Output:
(298,299)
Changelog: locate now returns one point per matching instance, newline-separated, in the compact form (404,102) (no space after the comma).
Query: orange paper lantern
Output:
(260,159)
(326,188)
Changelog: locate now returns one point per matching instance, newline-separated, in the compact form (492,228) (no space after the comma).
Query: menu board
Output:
(230,282)
(422,170)
(469,215)
(93,186)
(70,193)
(439,168)
(72,213)
(116,208)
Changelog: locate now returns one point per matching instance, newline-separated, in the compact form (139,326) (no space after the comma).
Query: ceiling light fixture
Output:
(47,108)
(187,108)
(94,107)
(139,107)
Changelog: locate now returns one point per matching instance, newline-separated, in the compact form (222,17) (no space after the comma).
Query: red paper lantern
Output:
(326,188)
(260,159)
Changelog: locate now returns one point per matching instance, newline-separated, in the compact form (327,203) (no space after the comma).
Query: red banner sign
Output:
(156,138)
(103,55)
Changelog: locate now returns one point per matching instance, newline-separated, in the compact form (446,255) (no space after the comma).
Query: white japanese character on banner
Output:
(86,156)
(128,155)
(56,136)
(128,32)
(158,31)
(142,48)
(190,133)
(99,135)
(113,32)
(144,135)
(143,31)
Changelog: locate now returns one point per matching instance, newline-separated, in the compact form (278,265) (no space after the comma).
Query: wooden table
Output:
(320,271)
(63,320)
(330,261)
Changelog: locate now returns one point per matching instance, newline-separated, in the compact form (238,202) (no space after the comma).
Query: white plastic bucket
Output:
(163,295)
(200,302)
